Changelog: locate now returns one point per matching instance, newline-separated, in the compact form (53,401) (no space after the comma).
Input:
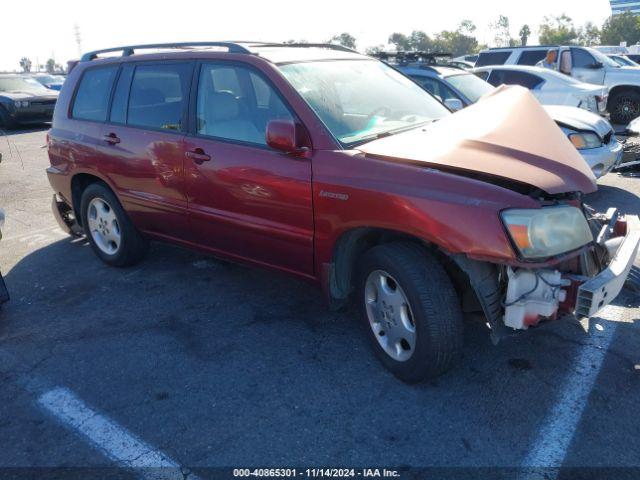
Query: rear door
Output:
(143,145)
(246,199)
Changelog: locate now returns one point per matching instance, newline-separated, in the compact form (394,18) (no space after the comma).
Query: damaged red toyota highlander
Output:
(331,166)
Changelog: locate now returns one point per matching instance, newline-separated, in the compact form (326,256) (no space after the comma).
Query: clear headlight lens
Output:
(585,140)
(547,231)
(21,104)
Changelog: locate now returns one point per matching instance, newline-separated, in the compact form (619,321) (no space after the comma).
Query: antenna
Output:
(76,33)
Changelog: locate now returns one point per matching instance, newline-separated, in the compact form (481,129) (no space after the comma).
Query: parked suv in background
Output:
(333,167)
(584,64)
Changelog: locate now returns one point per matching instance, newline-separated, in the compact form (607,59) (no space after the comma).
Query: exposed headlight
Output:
(17,104)
(547,231)
(21,104)
(25,104)
(585,140)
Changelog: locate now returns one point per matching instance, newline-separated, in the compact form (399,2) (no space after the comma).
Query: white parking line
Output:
(554,438)
(113,440)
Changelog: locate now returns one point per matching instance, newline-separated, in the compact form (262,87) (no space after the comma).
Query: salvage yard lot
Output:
(216,364)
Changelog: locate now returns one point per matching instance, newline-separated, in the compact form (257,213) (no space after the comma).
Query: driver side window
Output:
(235,103)
(581,58)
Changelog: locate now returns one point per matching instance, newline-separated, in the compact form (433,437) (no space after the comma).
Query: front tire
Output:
(410,310)
(110,232)
(624,107)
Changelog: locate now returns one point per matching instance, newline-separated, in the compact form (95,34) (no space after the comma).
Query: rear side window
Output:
(492,58)
(531,57)
(92,96)
(158,96)
(511,77)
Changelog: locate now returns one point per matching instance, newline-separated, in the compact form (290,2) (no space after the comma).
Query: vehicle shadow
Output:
(161,341)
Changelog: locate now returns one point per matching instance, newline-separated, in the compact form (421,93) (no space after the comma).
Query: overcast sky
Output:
(39,29)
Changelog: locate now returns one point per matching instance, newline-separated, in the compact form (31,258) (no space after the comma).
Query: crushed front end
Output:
(581,284)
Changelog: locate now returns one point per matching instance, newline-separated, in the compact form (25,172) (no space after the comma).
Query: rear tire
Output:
(624,107)
(431,309)
(108,228)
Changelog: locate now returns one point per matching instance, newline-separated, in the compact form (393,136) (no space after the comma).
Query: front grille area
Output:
(44,102)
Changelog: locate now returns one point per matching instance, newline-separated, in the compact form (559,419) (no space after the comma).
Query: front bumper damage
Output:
(534,295)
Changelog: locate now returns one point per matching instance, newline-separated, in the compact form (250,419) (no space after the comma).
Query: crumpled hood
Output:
(507,135)
(579,119)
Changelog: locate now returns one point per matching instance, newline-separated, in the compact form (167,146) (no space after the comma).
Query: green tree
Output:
(502,34)
(419,40)
(400,40)
(525,33)
(25,64)
(558,30)
(620,28)
(344,39)
(589,34)
(458,42)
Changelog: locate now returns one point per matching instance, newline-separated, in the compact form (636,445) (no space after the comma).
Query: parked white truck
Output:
(585,64)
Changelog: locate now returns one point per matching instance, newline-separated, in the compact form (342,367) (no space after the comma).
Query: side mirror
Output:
(596,66)
(565,63)
(286,136)
(454,104)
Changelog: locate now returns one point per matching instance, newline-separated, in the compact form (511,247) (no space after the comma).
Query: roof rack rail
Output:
(427,58)
(130,49)
(330,46)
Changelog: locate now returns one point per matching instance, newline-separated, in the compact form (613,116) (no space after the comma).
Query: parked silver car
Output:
(590,133)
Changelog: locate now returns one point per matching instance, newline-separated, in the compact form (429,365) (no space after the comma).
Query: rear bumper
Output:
(63,214)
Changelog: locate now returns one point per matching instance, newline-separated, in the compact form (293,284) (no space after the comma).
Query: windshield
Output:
(602,58)
(471,86)
(19,84)
(360,100)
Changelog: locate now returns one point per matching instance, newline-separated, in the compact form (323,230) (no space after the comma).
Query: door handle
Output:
(111,138)
(197,155)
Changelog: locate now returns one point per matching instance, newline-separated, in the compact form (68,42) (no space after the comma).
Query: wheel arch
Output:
(616,90)
(79,183)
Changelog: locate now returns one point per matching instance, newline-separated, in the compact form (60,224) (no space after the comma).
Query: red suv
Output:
(331,166)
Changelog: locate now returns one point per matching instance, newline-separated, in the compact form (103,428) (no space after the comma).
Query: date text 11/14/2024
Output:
(316,473)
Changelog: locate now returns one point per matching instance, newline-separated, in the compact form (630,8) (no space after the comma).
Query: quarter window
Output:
(531,57)
(492,58)
(234,103)
(158,94)
(92,97)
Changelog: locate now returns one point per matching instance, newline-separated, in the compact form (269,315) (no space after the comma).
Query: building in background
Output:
(621,6)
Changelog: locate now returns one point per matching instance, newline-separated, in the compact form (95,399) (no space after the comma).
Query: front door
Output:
(585,67)
(244,198)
